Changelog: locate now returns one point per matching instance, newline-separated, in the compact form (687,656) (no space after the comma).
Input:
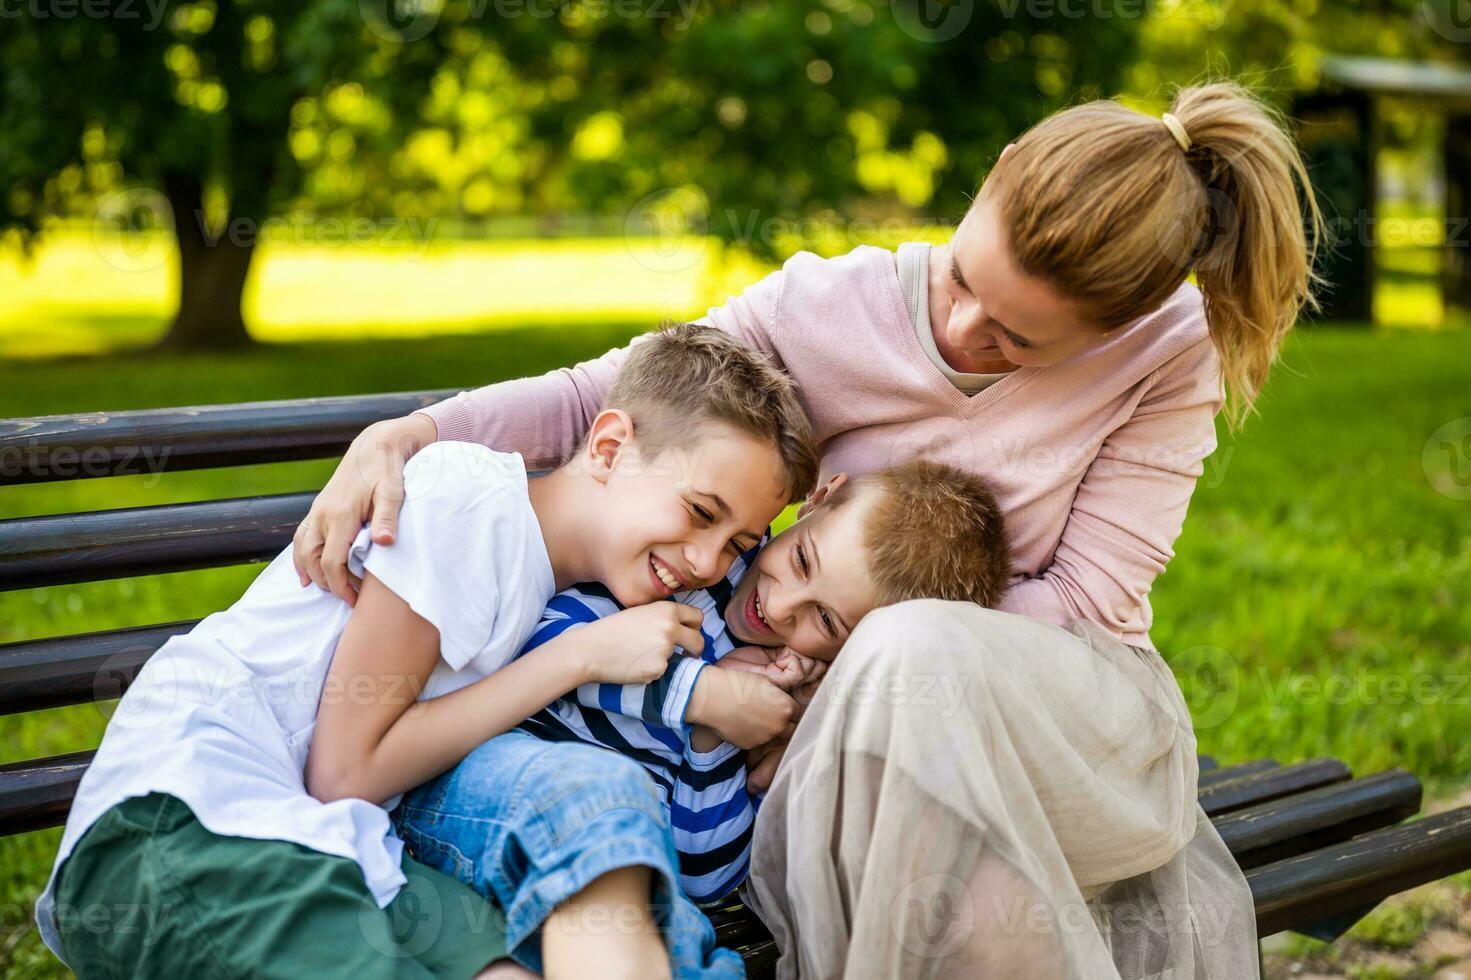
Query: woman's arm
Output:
(1131,504)
(542,418)
(375,739)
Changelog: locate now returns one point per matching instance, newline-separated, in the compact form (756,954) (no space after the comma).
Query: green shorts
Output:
(149,892)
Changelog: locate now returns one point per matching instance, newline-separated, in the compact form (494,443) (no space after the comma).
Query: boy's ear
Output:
(821,494)
(1010,148)
(610,435)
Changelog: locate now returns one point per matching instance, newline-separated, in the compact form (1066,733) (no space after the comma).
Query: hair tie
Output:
(1177,130)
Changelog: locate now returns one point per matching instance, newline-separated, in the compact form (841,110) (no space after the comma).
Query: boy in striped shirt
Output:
(918,530)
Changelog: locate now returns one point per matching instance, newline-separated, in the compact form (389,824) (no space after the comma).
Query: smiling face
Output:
(676,520)
(809,586)
(987,314)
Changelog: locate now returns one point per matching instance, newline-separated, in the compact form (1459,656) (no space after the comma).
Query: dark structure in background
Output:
(1338,131)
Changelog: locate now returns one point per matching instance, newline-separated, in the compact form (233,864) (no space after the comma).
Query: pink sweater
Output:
(1093,460)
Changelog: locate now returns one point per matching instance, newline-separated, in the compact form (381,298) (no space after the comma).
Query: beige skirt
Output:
(977,794)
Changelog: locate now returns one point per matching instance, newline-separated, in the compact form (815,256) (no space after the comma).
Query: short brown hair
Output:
(932,531)
(683,376)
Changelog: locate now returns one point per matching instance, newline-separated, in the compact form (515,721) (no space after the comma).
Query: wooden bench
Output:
(1319,847)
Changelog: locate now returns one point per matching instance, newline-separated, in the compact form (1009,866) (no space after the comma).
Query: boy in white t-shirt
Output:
(242,786)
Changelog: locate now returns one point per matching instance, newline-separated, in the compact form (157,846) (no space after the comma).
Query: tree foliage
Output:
(235,110)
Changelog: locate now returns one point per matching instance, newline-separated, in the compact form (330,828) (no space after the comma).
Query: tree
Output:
(192,99)
(549,107)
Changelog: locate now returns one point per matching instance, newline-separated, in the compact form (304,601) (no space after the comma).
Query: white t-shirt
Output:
(223,716)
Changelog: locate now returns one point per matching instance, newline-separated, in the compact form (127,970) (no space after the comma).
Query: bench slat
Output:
(1296,893)
(13,806)
(84,667)
(38,794)
(1314,819)
(105,544)
(94,444)
(1214,776)
(1261,787)
(1305,889)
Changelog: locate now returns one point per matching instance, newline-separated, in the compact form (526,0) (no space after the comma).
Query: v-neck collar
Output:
(962,404)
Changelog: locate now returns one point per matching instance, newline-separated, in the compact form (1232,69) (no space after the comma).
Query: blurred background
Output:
(229,201)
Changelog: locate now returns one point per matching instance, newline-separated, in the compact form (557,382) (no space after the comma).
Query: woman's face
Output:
(992,314)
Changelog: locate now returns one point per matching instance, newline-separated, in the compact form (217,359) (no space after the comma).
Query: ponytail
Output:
(1220,191)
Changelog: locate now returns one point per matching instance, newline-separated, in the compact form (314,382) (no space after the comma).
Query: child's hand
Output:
(633,646)
(784,667)
(790,670)
(742,705)
(753,659)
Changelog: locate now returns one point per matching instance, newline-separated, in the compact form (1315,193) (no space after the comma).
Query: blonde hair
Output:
(931,531)
(685,376)
(1106,205)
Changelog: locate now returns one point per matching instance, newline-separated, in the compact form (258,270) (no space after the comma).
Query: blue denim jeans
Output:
(531,823)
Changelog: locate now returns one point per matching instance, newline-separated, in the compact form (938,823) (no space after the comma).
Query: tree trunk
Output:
(1456,265)
(212,270)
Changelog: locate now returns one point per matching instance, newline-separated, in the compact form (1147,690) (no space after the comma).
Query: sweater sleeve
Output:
(1131,504)
(544,418)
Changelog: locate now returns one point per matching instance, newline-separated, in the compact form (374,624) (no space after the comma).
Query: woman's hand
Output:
(368,483)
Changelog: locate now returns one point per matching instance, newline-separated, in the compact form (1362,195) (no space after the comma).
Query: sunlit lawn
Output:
(82,293)
(1317,551)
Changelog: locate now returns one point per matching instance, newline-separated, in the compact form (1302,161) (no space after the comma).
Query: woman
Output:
(1009,792)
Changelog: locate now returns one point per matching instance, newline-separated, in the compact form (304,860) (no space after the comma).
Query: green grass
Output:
(1316,549)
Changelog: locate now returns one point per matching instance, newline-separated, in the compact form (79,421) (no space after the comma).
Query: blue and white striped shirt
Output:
(710,811)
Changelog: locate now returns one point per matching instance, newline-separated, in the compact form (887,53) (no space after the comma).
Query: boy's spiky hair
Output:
(932,531)
(683,376)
